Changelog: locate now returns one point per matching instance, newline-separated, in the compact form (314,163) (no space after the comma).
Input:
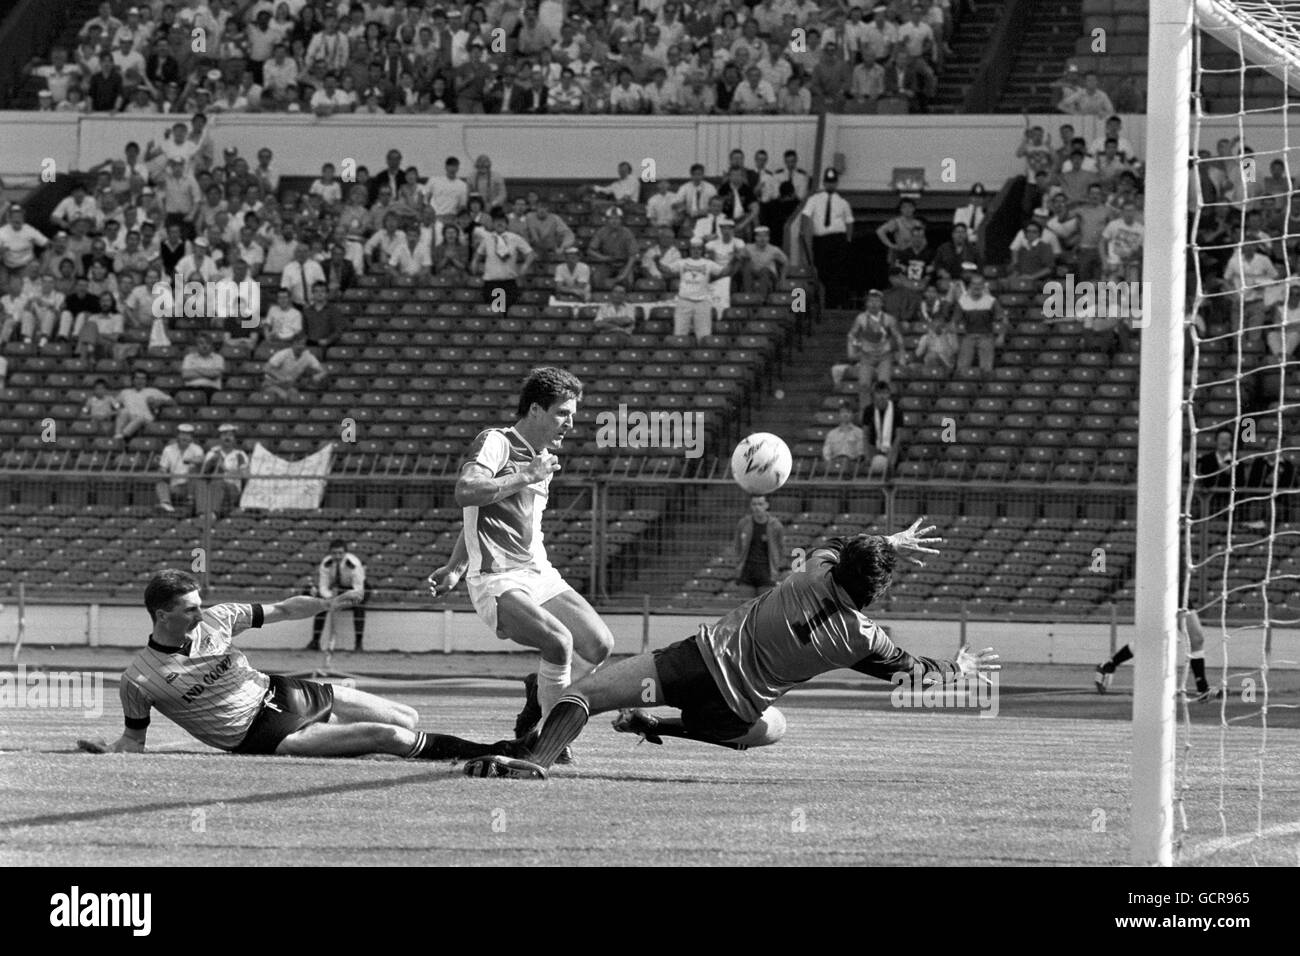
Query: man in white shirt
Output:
(283,321)
(280,71)
(19,241)
(572,278)
(1121,245)
(1087,100)
(300,275)
(287,368)
(448,194)
(627,188)
(503,258)
(329,99)
(706,227)
(79,205)
(792,174)
(382,246)
(755,95)
(693,196)
(725,250)
(973,214)
(693,310)
(179,459)
(830,218)
(139,406)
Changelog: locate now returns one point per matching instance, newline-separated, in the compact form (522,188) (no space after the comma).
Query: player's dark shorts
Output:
(290,705)
(686,684)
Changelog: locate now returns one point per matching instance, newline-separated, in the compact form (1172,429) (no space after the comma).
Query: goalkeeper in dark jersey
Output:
(726,678)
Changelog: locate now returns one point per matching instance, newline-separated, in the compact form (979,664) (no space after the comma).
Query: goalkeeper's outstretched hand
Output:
(913,542)
(977,664)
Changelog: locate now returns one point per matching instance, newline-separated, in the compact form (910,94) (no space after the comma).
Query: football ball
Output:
(761,463)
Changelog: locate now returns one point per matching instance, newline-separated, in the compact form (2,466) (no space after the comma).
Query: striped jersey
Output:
(208,688)
(806,626)
(506,534)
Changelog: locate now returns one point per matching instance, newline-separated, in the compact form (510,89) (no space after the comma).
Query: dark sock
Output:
(567,719)
(446,747)
(673,727)
(1198,671)
(1121,655)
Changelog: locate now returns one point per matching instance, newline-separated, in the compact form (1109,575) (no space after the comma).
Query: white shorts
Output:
(539,583)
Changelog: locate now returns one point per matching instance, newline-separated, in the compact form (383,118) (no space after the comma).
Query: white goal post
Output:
(1251,29)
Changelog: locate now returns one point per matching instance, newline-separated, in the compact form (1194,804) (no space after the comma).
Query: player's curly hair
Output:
(866,567)
(164,588)
(545,386)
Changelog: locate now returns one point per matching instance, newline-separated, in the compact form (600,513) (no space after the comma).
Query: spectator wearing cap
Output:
(729,252)
(830,218)
(873,344)
(225,467)
(845,443)
(693,308)
(973,214)
(502,258)
(612,251)
(291,368)
(764,264)
(181,458)
(19,241)
(198,265)
(572,278)
(979,320)
(202,368)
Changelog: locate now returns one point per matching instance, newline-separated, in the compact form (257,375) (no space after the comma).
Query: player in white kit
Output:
(503,488)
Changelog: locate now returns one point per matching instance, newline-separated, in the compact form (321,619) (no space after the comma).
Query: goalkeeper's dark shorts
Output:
(687,684)
(289,706)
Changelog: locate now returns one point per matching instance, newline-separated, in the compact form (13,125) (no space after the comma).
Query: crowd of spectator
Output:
(502,56)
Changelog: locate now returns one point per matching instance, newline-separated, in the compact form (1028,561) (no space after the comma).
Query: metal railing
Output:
(620,537)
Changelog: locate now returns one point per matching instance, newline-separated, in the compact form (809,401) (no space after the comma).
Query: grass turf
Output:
(854,782)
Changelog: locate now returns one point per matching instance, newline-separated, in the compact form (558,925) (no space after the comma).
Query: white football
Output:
(761,463)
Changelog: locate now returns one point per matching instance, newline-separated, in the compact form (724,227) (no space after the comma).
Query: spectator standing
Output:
(831,220)
(760,547)
(764,264)
(503,258)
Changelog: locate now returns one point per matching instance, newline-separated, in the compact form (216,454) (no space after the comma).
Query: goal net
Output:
(1215,773)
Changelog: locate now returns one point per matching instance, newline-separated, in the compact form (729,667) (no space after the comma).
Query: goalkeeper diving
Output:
(726,678)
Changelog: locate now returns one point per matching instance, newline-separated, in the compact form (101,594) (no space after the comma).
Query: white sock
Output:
(552,680)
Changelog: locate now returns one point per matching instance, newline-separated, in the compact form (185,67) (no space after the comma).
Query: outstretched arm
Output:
(299,607)
(891,659)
